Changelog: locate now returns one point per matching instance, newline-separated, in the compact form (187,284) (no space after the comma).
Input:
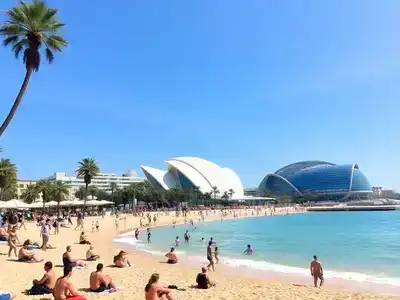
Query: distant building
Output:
(21,186)
(251,192)
(380,192)
(102,181)
(318,181)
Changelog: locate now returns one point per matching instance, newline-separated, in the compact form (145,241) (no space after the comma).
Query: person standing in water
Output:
(210,257)
(187,236)
(148,236)
(216,255)
(177,241)
(317,272)
(249,250)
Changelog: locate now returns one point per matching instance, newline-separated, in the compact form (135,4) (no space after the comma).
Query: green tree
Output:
(59,191)
(225,196)
(113,188)
(92,190)
(215,191)
(44,186)
(80,193)
(8,179)
(29,27)
(88,168)
(30,193)
(231,192)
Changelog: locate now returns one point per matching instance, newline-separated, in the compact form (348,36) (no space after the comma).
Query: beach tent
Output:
(36,205)
(14,204)
(105,202)
(93,203)
(52,203)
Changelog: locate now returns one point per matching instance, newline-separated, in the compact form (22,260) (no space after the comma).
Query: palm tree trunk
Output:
(84,203)
(112,195)
(17,101)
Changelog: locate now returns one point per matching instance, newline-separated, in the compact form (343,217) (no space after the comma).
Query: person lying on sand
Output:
(91,255)
(69,261)
(121,261)
(25,255)
(203,281)
(83,239)
(46,284)
(171,255)
(156,291)
(64,289)
(100,282)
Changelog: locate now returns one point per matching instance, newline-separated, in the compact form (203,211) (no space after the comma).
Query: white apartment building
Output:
(101,181)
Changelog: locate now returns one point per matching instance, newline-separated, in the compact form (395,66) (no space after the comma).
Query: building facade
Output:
(193,172)
(21,186)
(317,181)
(102,181)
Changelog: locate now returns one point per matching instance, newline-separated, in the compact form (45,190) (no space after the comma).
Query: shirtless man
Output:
(100,282)
(69,261)
(64,289)
(316,271)
(171,255)
(25,255)
(46,284)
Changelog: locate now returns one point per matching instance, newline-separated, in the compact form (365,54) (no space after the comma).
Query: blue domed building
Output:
(317,181)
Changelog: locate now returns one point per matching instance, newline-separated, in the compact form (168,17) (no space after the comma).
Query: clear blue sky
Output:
(250,85)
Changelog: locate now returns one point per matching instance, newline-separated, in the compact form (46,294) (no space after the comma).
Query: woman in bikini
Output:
(156,291)
(13,241)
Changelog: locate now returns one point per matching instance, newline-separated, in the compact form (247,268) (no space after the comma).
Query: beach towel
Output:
(81,268)
(108,291)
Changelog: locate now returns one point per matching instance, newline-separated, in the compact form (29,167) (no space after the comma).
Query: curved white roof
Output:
(165,179)
(199,172)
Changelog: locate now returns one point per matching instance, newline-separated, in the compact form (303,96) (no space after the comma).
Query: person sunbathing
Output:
(121,261)
(100,282)
(91,255)
(7,296)
(203,281)
(68,261)
(171,255)
(83,239)
(46,284)
(63,289)
(25,255)
(156,291)
(3,234)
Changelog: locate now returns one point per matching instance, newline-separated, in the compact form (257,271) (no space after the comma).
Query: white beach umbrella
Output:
(36,205)
(14,204)
(105,202)
(52,203)
(93,203)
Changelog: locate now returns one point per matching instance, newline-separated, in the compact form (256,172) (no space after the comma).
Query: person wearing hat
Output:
(91,255)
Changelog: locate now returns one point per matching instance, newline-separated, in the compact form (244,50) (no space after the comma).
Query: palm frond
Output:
(49,55)
(13,39)
(19,46)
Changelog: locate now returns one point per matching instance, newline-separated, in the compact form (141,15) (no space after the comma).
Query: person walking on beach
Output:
(317,272)
(210,257)
(45,232)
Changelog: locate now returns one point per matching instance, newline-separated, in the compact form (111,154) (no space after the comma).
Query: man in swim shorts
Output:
(100,282)
(317,272)
(64,289)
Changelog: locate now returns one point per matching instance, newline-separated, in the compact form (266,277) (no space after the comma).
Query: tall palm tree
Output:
(31,26)
(44,186)
(8,175)
(30,193)
(113,188)
(215,191)
(225,196)
(59,191)
(88,168)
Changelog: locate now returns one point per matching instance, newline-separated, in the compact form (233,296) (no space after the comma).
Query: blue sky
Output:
(250,85)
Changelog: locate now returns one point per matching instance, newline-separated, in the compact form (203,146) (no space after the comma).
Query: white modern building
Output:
(101,181)
(189,172)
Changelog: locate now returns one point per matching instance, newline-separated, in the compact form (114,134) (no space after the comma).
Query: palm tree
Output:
(225,196)
(8,175)
(231,192)
(44,186)
(28,28)
(88,169)
(80,193)
(59,191)
(30,194)
(92,191)
(215,191)
(113,188)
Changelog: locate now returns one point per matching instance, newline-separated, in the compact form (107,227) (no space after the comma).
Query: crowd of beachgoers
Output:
(101,273)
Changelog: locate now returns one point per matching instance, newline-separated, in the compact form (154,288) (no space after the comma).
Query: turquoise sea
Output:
(359,246)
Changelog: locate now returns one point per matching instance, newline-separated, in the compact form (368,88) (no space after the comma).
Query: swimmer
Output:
(177,241)
(317,272)
(202,240)
(249,250)
(187,236)
(212,241)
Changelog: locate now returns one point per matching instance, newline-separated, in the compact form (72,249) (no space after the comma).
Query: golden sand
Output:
(16,276)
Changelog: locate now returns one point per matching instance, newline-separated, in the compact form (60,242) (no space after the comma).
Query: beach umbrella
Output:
(105,202)
(52,203)
(36,205)
(93,203)
(14,204)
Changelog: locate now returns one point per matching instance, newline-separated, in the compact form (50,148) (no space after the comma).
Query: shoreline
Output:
(16,277)
(294,278)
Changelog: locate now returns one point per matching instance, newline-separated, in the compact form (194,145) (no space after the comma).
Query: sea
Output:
(359,247)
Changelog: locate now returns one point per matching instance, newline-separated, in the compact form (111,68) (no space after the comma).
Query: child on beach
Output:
(216,255)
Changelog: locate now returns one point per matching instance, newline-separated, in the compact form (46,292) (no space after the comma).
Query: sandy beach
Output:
(16,276)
